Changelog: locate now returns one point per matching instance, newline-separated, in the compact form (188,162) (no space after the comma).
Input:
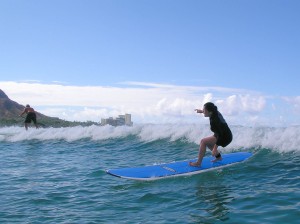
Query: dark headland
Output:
(10,111)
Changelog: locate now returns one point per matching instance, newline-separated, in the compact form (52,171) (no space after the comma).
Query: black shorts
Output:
(31,116)
(225,140)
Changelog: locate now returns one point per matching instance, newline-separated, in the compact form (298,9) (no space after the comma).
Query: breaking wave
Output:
(281,139)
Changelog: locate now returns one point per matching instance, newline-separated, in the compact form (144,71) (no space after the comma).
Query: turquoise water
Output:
(57,175)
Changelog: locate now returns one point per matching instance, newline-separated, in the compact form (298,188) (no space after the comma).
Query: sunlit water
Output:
(57,175)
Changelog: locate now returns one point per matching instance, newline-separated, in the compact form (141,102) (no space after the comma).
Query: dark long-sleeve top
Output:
(221,130)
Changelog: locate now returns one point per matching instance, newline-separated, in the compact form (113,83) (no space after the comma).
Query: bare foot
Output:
(217,159)
(194,164)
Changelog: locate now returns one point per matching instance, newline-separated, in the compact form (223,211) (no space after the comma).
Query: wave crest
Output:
(280,139)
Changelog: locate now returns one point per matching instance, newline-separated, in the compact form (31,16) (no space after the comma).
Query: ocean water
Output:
(57,175)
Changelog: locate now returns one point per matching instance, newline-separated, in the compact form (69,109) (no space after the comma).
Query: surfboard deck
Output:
(179,168)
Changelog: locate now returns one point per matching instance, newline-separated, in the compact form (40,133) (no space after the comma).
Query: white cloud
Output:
(235,104)
(148,102)
(294,102)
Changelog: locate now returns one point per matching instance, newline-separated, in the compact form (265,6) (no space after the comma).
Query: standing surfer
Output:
(222,134)
(31,116)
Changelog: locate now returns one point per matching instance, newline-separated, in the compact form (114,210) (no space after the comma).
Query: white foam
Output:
(280,139)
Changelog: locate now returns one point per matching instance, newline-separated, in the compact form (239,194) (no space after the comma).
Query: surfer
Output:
(222,134)
(31,116)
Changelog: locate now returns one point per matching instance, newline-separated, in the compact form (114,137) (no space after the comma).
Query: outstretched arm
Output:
(199,111)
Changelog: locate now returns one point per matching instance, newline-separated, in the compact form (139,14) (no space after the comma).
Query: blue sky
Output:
(246,49)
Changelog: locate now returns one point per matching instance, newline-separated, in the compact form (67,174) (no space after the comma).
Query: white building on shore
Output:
(119,121)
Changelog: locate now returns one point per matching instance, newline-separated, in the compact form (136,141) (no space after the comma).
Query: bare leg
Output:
(205,142)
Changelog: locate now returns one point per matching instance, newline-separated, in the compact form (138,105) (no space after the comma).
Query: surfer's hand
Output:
(199,111)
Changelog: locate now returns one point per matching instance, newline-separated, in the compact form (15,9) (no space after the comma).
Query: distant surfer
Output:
(31,116)
(222,134)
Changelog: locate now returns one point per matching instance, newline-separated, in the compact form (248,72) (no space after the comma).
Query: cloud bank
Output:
(147,102)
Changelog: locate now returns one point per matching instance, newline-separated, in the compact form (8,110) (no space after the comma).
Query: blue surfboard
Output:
(179,168)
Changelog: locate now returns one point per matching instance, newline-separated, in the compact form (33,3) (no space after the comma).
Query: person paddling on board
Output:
(222,133)
(31,116)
